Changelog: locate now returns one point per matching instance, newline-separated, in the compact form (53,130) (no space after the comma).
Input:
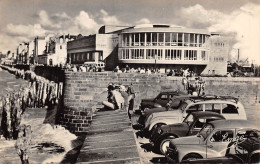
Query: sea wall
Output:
(85,91)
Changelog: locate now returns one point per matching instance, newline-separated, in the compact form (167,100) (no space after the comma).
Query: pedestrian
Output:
(131,97)
(122,90)
(185,83)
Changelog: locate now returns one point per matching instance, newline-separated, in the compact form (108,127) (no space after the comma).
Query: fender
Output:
(164,120)
(184,150)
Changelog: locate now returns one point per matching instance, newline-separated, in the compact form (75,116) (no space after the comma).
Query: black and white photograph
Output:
(129,81)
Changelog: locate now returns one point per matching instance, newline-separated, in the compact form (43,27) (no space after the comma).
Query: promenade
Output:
(110,139)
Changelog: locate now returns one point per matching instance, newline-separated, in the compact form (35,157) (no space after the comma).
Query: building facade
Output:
(162,47)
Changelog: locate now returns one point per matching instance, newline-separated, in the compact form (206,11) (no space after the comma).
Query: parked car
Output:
(191,125)
(173,104)
(229,107)
(212,141)
(159,101)
(247,151)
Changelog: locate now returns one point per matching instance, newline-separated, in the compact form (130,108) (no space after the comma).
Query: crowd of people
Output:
(195,88)
(120,98)
(83,68)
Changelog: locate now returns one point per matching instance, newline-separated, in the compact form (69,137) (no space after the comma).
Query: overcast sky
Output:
(21,20)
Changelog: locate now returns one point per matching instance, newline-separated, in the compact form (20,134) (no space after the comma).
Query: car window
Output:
(229,109)
(222,136)
(163,97)
(216,108)
(199,123)
(197,107)
(208,107)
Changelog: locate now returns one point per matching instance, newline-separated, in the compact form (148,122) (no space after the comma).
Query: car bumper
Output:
(171,155)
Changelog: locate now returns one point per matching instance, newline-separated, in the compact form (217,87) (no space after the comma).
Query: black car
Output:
(174,103)
(244,150)
(159,101)
(191,125)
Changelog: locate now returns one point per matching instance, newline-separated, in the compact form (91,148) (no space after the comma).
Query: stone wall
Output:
(85,91)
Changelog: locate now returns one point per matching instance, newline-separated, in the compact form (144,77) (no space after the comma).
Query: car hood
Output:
(190,140)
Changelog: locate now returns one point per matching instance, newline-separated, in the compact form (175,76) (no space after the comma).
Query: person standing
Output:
(131,97)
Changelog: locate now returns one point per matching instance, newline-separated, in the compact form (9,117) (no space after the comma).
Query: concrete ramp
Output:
(110,140)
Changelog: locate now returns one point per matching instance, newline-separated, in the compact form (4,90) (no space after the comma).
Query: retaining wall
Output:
(84,92)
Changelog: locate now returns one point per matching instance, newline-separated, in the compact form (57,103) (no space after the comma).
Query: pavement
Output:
(110,139)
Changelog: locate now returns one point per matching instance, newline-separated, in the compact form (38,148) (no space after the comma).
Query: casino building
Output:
(154,46)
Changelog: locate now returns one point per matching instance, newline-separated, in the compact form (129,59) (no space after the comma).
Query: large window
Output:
(136,39)
(180,39)
(161,39)
(190,55)
(154,39)
(186,39)
(167,39)
(142,39)
(173,54)
(148,39)
(174,39)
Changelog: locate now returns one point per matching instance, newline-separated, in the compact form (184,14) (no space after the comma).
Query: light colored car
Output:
(230,108)
(212,141)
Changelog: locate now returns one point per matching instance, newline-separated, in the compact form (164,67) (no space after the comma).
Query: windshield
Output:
(189,119)
(183,106)
(206,130)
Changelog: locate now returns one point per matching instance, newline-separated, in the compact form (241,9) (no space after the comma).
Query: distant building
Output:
(153,46)
(101,47)
(56,50)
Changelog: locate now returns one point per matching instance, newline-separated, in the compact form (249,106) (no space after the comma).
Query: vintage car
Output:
(229,107)
(247,151)
(191,125)
(173,104)
(159,101)
(212,141)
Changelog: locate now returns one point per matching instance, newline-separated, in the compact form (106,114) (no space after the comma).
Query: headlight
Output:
(157,106)
(159,131)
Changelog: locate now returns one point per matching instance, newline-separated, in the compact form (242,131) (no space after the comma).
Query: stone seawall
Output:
(84,92)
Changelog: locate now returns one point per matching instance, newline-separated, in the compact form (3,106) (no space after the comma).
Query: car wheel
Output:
(164,144)
(156,126)
(192,156)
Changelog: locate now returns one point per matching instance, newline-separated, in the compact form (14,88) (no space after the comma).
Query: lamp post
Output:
(155,57)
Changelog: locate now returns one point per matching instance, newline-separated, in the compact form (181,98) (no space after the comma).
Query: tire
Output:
(156,126)
(164,143)
(192,156)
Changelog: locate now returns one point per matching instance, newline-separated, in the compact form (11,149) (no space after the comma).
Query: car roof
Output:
(201,114)
(169,92)
(233,124)
(189,101)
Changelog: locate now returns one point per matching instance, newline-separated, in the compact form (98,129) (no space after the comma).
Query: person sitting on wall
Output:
(148,71)
(116,69)
(142,71)
(74,69)
(127,68)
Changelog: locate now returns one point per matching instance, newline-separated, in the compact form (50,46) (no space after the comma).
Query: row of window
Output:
(83,57)
(219,44)
(164,39)
(218,59)
(158,54)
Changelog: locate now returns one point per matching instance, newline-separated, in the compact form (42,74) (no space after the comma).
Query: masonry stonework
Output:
(85,91)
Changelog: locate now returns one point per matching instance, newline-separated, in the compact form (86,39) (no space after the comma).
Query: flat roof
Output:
(163,28)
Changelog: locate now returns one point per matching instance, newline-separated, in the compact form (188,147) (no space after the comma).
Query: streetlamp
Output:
(155,57)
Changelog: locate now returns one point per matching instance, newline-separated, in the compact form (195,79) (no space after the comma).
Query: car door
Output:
(217,143)
(196,126)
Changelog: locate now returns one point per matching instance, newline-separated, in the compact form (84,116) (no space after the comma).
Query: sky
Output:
(22,20)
